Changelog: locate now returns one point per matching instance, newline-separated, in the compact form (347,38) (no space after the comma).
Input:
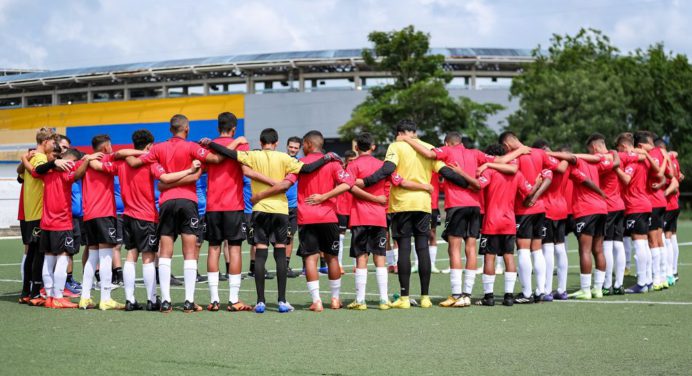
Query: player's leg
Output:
(585,264)
(129,276)
(454,244)
(619,262)
(234,277)
(524,269)
(600,266)
(488,280)
(149,279)
(91,253)
(380,260)
(47,271)
(510,272)
(214,254)
(312,278)
(404,271)
(432,240)
(424,272)
(165,258)
(561,261)
(470,270)
(359,251)
(190,271)
(548,247)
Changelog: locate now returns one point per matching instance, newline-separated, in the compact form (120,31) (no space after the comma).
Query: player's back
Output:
(225,181)
(274,165)
(137,190)
(413,167)
(33,190)
(365,212)
(98,192)
(635,194)
(500,197)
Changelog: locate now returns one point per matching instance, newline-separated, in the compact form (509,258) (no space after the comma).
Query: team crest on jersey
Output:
(202,152)
(335,245)
(194,222)
(111,232)
(152,239)
(630,223)
(629,170)
(69,242)
(343,175)
(484,242)
(482,180)
(580,226)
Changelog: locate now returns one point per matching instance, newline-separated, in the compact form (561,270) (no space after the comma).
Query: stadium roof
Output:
(250,61)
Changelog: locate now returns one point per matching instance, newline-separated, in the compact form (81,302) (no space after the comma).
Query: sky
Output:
(67,34)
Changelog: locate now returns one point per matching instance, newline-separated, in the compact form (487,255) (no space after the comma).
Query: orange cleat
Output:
(24,300)
(37,302)
(69,294)
(336,303)
(63,303)
(317,306)
(49,302)
(238,307)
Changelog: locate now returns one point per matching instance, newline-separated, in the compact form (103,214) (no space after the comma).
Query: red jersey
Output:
(557,196)
(500,193)
(137,189)
(531,165)
(98,192)
(367,213)
(57,199)
(225,182)
(586,201)
(319,182)
(344,202)
(469,160)
(569,193)
(635,194)
(20,213)
(673,201)
(175,155)
(610,183)
(435,196)
(657,196)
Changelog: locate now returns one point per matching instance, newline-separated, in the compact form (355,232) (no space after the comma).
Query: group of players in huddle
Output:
(614,201)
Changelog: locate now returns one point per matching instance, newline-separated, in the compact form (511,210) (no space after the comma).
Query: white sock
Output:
(47,274)
(671,258)
(213,281)
(585,281)
(129,280)
(488,283)
(89,273)
(361,282)
(149,277)
(656,264)
(608,254)
(641,257)
(598,279)
(664,261)
(341,248)
(314,288)
(21,268)
(619,262)
(234,287)
(455,281)
(510,280)
(335,286)
(500,263)
(549,256)
(539,270)
(676,252)
(165,279)
(60,275)
(627,243)
(390,258)
(106,272)
(190,279)
(562,267)
(525,271)
(382,280)
(433,254)
(469,280)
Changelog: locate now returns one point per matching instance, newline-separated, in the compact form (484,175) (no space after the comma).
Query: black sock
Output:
(98,276)
(281,271)
(70,278)
(288,262)
(119,272)
(404,264)
(252,266)
(228,268)
(260,263)
(157,275)
(37,274)
(28,267)
(424,266)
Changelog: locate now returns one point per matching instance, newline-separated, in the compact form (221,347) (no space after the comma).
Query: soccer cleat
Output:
(24,300)
(292,274)
(251,274)
(671,280)
(357,306)
(628,272)
(317,306)
(86,303)
(49,302)
(213,307)
(546,298)
(522,299)
(384,305)
(260,307)
(336,303)
(596,293)
(154,306)
(175,281)
(606,291)
(559,295)
(508,300)
(658,287)
(63,303)
(69,294)
(488,300)
(268,275)
(285,307)
(110,305)
(463,301)
(42,292)
(132,306)
(676,276)
(637,289)
(581,295)
(425,302)
(73,287)
(203,278)
(323,270)
(393,269)
(166,307)
(414,269)
(665,284)
(449,302)
(650,287)
(223,277)
(618,291)
(37,302)
(435,270)
(445,271)
(189,307)
(238,307)
(401,303)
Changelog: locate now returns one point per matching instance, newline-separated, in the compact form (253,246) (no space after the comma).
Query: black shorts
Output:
(119,229)
(411,223)
(343,221)
(319,237)
(498,245)
(292,222)
(179,216)
(368,240)
(656,221)
(462,222)
(102,230)
(435,218)
(570,225)
(79,231)
(248,228)
(140,235)
(593,225)
(31,231)
(530,226)
(58,242)
(637,223)
(201,230)
(615,226)
(554,231)
(270,228)
(225,225)
(670,221)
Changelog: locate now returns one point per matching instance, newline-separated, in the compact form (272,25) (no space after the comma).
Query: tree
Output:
(417,93)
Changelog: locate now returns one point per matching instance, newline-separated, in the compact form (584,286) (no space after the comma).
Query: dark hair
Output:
(625,138)
(453,137)
(99,140)
(74,153)
(315,138)
(349,154)
(294,139)
(61,137)
(595,137)
(565,147)
(364,141)
(178,123)
(642,137)
(540,144)
(227,122)
(141,138)
(505,135)
(468,142)
(661,143)
(495,149)
(406,125)
(269,136)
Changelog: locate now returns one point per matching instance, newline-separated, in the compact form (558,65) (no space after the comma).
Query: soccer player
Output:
(270,213)
(671,219)
(293,146)
(117,272)
(344,202)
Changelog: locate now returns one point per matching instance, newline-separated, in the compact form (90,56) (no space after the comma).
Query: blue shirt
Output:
(202,194)
(119,205)
(292,195)
(247,193)
(77,199)
(156,194)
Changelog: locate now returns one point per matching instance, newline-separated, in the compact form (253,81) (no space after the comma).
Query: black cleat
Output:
(250,274)
(223,277)
(202,278)
(213,307)
(154,306)
(189,307)
(176,281)
(166,307)
(130,306)
(488,300)
(291,274)
(618,291)
(268,275)
(521,299)
(508,300)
